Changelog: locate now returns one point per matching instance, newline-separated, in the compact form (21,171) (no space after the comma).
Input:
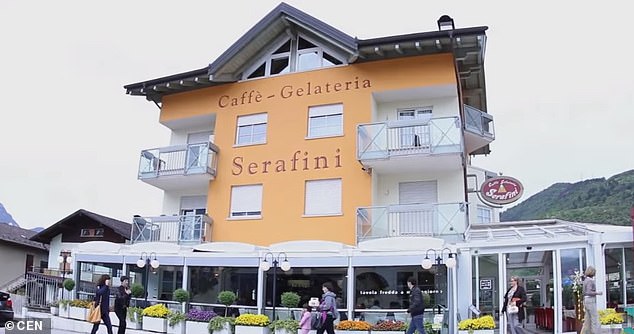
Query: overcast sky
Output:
(560,86)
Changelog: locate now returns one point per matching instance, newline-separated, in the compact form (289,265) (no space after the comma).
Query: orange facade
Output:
(287,159)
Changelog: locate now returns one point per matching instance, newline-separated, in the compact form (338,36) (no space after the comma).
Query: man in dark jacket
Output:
(121,303)
(416,307)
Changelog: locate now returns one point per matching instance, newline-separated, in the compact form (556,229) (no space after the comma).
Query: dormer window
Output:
(293,55)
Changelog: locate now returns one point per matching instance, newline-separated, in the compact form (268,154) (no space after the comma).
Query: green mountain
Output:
(590,201)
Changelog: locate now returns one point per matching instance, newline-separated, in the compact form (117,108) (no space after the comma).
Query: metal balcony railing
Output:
(409,137)
(411,220)
(179,229)
(478,122)
(178,160)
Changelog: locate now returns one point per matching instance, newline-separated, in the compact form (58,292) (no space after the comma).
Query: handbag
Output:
(512,309)
(94,314)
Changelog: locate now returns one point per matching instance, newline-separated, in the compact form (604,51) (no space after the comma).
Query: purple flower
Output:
(200,315)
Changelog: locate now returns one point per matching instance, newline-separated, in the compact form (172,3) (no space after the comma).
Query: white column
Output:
(453,322)
(260,297)
(558,305)
(501,288)
(463,292)
(350,287)
(185,284)
(124,271)
(598,260)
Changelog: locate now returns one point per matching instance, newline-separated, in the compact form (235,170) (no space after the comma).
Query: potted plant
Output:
(78,309)
(54,308)
(227,298)
(288,326)
(197,321)
(252,324)
(481,325)
(290,300)
(390,327)
(354,326)
(64,308)
(611,320)
(137,291)
(155,318)
(176,323)
(135,315)
(181,296)
(221,325)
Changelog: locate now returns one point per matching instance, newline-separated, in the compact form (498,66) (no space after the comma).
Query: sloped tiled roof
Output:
(120,227)
(20,236)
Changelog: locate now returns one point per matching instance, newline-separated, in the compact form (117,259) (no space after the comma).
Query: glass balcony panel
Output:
(411,220)
(178,160)
(188,229)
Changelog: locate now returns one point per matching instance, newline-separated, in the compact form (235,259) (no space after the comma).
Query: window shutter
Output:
(331,109)
(323,197)
(252,119)
(423,192)
(246,198)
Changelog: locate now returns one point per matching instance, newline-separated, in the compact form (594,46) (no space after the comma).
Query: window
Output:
(251,129)
(484,214)
(323,197)
(92,232)
(307,55)
(325,121)
(246,201)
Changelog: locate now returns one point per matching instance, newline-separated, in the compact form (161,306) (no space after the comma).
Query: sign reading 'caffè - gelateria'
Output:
(290,91)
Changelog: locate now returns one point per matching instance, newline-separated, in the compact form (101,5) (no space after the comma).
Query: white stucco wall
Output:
(474,201)
(179,137)
(56,246)
(450,186)
(441,107)
(172,199)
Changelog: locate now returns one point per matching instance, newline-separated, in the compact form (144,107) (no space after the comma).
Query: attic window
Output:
(92,232)
(292,55)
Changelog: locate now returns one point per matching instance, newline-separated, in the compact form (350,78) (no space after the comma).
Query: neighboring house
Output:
(19,254)
(79,227)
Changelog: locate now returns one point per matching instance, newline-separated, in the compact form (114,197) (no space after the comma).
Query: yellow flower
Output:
(484,322)
(156,311)
(260,320)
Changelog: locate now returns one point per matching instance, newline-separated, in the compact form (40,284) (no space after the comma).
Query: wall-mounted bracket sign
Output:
(501,190)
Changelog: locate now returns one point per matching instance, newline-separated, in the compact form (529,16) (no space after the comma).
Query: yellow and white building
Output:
(350,159)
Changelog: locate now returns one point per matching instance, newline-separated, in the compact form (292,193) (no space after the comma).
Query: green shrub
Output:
(289,325)
(290,299)
(175,317)
(69,284)
(227,298)
(217,323)
(181,295)
(137,290)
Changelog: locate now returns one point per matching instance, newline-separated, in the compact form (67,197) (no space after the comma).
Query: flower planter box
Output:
(158,325)
(478,331)
(353,332)
(179,328)
(224,330)
(252,330)
(387,332)
(134,325)
(64,311)
(196,327)
(611,329)
(54,310)
(78,313)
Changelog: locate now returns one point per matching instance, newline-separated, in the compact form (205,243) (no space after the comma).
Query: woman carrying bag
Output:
(514,300)
(102,303)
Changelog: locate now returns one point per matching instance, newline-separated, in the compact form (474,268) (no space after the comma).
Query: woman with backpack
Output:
(328,309)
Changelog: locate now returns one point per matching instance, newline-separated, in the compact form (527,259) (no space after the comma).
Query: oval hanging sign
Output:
(501,190)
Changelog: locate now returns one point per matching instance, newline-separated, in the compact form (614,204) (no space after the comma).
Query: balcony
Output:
(479,130)
(433,144)
(179,167)
(184,229)
(416,220)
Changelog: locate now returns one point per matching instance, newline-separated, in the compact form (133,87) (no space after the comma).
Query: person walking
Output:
(305,323)
(122,302)
(102,300)
(591,320)
(329,307)
(514,300)
(416,307)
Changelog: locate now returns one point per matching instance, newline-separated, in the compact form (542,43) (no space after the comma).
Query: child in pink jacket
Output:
(305,324)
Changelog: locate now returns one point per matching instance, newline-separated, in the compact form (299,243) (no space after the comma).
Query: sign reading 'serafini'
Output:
(290,91)
(501,190)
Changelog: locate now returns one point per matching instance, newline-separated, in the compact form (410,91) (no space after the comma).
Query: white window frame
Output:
(326,111)
(323,197)
(246,202)
(250,121)
(482,208)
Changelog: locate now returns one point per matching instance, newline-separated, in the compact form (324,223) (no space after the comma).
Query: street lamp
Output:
(275,261)
(64,259)
(146,261)
(450,263)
